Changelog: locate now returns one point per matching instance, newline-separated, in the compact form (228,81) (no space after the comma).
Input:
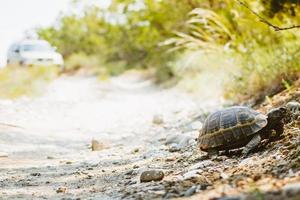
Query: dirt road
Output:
(45,146)
(58,127)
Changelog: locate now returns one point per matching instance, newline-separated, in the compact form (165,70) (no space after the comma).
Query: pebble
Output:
(35,174)
(98,145)
(136,166)
(197,125)
(129,172)
(202,164)
(292,189)
(169,159)
(157,119)
(3,155)
(230,198)
(152,175)
(61,190)
(190,191)
(174,148)
(173,138)
(192,174)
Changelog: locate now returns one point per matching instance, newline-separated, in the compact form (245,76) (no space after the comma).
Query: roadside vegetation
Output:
(239,44)
(16,81)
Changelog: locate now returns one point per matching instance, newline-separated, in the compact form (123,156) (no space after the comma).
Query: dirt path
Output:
(140,127)
(76,109)
(58,127)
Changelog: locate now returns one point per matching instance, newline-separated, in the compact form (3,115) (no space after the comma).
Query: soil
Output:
(46,146)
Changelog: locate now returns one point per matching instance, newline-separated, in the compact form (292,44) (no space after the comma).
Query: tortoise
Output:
(239,126)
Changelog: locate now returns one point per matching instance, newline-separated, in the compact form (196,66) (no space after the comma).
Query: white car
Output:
(33,52)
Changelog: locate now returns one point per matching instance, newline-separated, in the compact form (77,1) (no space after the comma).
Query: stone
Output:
(3,155)
(294,107)
(157,119)
(292,189)
(35,174)
(174,148)
(186,141)
(202,164)
(179,139)
(190,191)
(98,145)
(152,175)
(129,172)
(197,125)
(61,190)
(230,198)
(192,174)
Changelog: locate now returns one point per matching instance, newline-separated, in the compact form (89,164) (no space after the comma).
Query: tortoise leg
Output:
(254,142)
(279,130)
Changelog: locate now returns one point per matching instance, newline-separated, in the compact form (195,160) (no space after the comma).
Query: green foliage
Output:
(17,81)
(165,35)
(275,7)
(260,57)
(126,35)
(265,71)
(80,60)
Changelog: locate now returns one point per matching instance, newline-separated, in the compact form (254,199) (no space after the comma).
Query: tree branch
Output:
(263,20)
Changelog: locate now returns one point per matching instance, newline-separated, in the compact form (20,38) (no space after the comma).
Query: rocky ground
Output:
(139,133)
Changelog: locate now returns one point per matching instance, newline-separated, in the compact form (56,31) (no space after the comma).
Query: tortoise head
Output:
(276,115)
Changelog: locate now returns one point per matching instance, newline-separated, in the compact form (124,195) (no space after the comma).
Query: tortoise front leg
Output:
(279,130)
(254,142)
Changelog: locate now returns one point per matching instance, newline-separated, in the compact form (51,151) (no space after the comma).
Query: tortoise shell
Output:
(230,128)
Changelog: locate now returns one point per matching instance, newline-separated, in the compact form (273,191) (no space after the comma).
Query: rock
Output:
(179,141)
(196,125)
(61,190)
(173,138)
(230,198)
(3,155)
(35,174)
(192,174)
(98,145)
(291,189)
(224,175)
(190,191)
(170,159)
(157,119)
(174,148)
(294,107)
(186,141)
(50,157)
(196,177)
(129,172)
(136,150)
(202,164)
(152,175)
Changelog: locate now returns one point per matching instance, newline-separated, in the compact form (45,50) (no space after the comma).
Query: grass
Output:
(264,71)
(16,82)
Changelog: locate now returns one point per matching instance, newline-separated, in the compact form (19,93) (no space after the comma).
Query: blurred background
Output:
(187,43)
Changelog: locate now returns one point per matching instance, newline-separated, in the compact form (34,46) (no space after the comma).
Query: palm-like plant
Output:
(206,30)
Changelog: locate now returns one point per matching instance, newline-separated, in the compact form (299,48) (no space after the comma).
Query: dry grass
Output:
(25,81)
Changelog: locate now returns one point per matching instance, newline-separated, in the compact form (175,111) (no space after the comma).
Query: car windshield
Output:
(36,47)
